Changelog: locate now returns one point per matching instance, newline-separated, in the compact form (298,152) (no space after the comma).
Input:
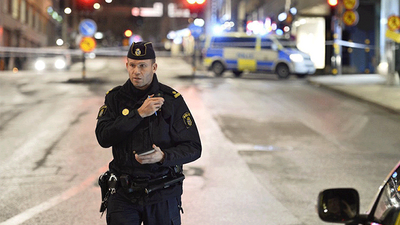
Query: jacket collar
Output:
(132,93)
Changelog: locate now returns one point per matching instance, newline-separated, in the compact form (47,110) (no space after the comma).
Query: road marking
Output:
(29,213)
(266,148)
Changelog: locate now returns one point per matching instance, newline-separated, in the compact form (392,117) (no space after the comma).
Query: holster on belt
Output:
(108,185)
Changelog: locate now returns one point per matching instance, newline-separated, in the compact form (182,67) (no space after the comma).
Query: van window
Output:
(287,43)
(266,43)
(221,42)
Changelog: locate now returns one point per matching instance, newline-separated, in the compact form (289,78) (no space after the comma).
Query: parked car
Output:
(52,62)
(342,205)
(240,52)
(48,59)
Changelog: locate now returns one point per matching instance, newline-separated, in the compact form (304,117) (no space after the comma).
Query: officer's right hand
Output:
(150,106)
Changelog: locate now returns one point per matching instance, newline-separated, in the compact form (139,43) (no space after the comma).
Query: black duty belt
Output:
(146,186)
(136,188)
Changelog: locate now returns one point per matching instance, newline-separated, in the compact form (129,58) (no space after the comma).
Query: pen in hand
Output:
(155,113)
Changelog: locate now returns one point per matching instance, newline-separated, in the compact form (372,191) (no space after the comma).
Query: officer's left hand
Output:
(155,157)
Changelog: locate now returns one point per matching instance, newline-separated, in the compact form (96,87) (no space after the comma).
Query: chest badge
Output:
(125,112)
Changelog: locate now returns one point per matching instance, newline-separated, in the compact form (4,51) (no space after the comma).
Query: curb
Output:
(344,93)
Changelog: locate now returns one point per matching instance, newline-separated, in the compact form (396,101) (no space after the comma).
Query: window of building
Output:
(34,20)
(43,23)
(15,8)
(30,16)
(26,13)
(22,11)
(6,6)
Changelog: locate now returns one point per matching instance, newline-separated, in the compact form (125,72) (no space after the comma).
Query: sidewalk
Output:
(372,88)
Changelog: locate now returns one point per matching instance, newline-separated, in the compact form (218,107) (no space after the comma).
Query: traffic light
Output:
(195,6)
(333,3)
(85,5)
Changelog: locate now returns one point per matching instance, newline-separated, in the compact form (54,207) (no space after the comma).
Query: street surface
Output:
(269,146)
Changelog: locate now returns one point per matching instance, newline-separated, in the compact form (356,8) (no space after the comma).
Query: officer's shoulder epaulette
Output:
(167,90)
(113,89)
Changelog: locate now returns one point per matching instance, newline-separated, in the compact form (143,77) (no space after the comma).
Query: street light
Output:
(128,33)
(68,10)
(96,5)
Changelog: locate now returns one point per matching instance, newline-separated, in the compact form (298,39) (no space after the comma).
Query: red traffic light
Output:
(85,4)
(195,6)
(333,2)
(198,2)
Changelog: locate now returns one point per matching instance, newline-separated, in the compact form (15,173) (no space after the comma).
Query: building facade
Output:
(24,23)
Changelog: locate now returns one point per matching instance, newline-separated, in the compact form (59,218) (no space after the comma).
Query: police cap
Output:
(141,50)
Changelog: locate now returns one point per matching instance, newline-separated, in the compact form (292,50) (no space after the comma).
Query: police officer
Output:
(152,134)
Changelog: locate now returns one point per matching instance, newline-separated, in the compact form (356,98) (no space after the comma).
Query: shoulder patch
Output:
(187,119)
(102,111)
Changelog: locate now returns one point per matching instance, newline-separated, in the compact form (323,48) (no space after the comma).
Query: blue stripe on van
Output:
(264,65)
(214,52)
(231,63)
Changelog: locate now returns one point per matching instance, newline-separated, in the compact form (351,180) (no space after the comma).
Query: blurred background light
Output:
(68,10)
(128,33)
(96,5)
(59,42)
(282,16)
(198,22)
(98,35)
(293,11)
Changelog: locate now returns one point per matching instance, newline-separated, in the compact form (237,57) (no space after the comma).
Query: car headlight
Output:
(40,65)
(296,57)
(59,64)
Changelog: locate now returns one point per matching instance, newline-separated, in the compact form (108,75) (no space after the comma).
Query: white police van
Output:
(240,52)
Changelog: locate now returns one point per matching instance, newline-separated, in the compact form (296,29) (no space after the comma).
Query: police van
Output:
(239,52)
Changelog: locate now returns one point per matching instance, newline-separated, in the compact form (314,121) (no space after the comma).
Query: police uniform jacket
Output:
(172,128)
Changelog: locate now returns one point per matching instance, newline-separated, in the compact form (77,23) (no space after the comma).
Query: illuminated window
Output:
(22,11)
(30,17)
(15,6)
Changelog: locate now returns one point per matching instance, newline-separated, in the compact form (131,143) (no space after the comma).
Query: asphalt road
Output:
(269,146)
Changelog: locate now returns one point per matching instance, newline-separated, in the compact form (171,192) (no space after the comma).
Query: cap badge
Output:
(137,52)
